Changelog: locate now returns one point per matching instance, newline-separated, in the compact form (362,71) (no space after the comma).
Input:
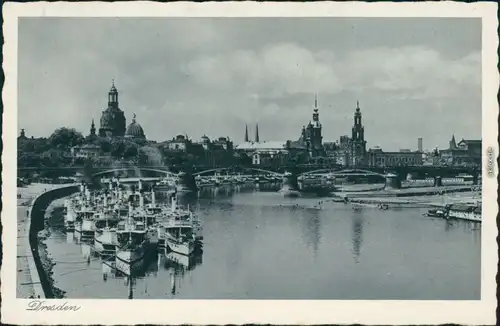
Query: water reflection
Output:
(179,265)
(70,237)
(312,228)
(86,251)
(357,233)
(211,192)
(241,227)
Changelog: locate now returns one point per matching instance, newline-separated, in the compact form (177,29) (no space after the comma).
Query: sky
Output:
(413,77)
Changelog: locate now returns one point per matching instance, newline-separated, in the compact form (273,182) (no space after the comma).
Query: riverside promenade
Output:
(28,283)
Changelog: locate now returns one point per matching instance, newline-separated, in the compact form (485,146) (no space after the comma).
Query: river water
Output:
(259,245)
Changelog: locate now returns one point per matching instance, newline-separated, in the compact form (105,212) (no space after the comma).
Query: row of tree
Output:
(56,149)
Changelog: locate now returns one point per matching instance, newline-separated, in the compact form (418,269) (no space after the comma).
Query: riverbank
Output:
(416,200)
(28,283)
(31,269)
(405,192)
(45,257)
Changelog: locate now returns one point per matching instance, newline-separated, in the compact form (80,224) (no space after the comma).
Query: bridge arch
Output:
(239,168)
(117,170)
(352,172)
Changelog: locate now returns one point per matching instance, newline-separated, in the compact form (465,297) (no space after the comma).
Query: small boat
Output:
(106,241)
(179,238)
(383,206)
(436,213)
(105,237)
(85,223)
(134,245)
(181,230)
(468,212)
(70,217)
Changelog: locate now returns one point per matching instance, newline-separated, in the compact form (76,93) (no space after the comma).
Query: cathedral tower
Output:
(257,133)
(113,122)
(314,132)
(358,150)
(246,133)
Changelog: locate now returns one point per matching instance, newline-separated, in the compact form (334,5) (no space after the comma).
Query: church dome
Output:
(205,139)
(134,130)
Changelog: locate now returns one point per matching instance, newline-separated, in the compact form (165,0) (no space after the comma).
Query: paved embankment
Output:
(28,283)
(32,281)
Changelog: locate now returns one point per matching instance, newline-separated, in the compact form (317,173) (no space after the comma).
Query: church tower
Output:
(92,128)
(313,136)
(453,143)
(246,133)
(113,122)
(358,150)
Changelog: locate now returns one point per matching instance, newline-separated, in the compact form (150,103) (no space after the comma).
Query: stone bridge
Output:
(401,173)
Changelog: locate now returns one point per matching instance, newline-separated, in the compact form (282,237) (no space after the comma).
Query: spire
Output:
(113,95)
(315,100)
(357,106)
(246,133)
(257,133)
(92,128)
(453,143)
(113,88)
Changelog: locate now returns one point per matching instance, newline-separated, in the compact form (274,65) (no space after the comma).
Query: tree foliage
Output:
(105,145)
(117,148)
(65,138)
(33,145)
(130,151)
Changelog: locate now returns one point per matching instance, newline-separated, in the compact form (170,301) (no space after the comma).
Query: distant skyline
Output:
(413,77)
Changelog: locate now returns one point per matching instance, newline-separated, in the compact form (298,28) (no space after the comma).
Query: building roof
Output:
(267,145)
(134,130)
(471,141)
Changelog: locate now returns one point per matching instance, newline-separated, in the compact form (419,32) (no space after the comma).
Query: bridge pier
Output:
(438,181)
(290,187)
(392,181)
(186,184)
(414,176)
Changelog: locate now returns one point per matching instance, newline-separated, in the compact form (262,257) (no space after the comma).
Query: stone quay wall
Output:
(37,223)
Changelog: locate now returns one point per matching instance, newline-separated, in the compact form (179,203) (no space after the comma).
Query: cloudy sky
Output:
(413,77)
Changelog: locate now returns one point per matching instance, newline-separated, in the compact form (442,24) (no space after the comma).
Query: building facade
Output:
(86,151)
(180,143)
(466,152)
(378,158)
(265,153)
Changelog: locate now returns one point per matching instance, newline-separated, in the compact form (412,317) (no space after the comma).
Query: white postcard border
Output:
(252,311)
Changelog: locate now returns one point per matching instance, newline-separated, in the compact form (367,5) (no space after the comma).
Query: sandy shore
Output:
(416,201)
